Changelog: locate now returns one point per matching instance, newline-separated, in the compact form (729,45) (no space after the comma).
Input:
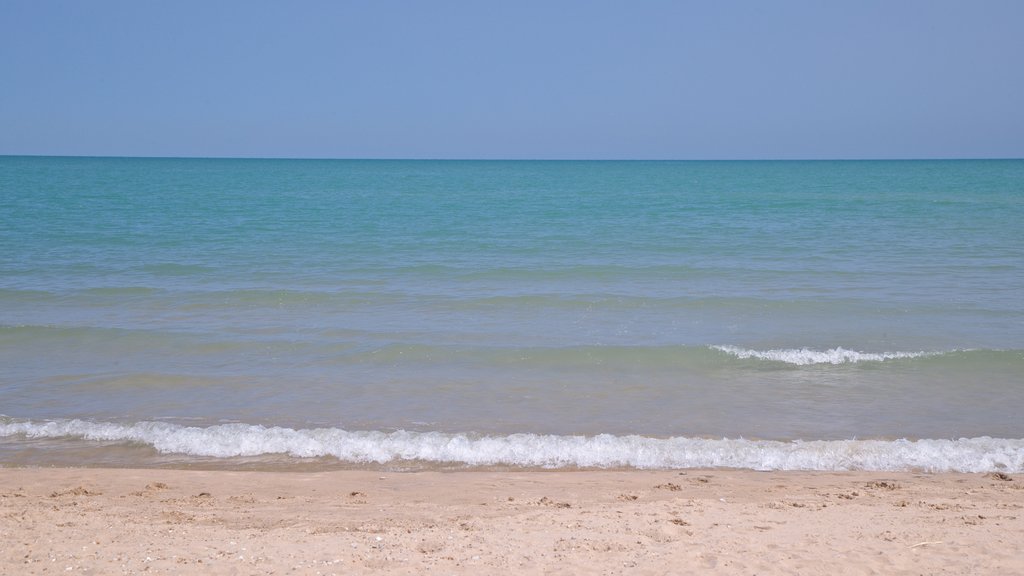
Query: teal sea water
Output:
(767,315)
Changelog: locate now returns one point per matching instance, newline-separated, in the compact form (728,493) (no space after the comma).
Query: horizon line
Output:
(504,159)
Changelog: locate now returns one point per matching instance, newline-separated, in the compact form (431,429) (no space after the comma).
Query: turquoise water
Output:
(479,312)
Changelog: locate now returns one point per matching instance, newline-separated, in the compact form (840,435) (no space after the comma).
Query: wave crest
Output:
(532,450)
(807,356)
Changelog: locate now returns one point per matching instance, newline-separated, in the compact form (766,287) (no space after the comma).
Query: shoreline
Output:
(66,442)
(157,520)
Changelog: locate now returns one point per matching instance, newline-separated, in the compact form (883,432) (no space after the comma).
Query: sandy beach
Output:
(155,521)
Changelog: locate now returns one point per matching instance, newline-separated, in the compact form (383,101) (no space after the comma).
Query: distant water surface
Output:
(812,315)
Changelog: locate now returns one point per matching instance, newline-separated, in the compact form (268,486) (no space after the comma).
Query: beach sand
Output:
(155,521)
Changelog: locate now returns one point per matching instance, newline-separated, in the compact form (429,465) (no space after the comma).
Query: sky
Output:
(550,79)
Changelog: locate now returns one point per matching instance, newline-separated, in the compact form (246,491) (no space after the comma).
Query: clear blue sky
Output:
(513,79)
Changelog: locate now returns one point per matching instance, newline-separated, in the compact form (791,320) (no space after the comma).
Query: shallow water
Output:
(527,302)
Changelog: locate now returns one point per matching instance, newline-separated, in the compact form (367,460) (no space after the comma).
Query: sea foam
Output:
(982,454)
(807,356)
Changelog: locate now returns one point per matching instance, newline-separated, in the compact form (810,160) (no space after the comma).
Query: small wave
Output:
(175,269)
(806,356)
(532,450)
(19,295)
(121,291)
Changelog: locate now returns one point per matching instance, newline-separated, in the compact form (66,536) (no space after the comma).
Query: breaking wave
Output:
(982,454)
(807,356)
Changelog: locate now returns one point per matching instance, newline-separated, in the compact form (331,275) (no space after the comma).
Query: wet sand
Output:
(154,521)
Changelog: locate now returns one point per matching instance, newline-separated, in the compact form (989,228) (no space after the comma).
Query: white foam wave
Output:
(603,451)
(806,356)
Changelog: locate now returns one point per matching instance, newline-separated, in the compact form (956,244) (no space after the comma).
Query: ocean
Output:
(308,314)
